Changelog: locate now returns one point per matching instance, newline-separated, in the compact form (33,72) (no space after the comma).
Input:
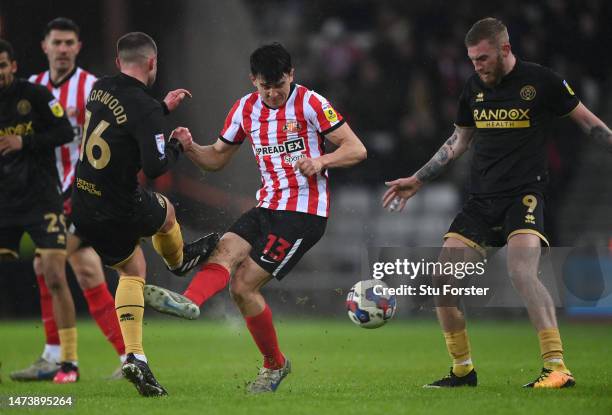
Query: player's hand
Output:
(10,143)
(399,192)
(308,166)
(174,98)
(183,135)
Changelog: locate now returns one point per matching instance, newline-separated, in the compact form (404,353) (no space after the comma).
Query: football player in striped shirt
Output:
(287,125)
(71,86)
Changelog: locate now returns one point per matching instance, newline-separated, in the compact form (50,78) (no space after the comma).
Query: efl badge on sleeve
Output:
(569,89)
(56,108)
(330,114)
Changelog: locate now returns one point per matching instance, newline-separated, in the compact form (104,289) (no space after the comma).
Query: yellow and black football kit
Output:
(509,167)
(30,195)
(123,134)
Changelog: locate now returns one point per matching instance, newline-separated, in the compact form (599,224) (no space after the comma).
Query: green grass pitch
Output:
(338,368)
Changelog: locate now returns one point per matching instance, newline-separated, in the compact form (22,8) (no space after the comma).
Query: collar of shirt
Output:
(64,79)
(129,80)
(291,89)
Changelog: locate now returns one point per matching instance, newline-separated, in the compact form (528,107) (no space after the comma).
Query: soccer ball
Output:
(367,309)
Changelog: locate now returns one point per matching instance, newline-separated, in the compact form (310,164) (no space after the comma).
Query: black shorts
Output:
(47,229)
(279,238)
(70,228)
(487,222)
(116,239)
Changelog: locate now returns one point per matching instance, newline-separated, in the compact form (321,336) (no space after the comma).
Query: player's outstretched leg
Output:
(196,253)
(168,302)
(168,243)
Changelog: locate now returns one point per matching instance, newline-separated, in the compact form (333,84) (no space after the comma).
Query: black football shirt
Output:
(29,181)
(511,119)
(123,133)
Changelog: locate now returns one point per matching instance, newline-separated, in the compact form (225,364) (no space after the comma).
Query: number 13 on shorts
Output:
(276,248)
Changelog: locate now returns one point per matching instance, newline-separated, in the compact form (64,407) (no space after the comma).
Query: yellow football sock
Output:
(458,346)
(129,305)
(170,246)
(552,349)
(68,344)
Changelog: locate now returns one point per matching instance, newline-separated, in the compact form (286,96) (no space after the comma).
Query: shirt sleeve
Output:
(559,96)
(320,113)
(156,155)
(53,129)
(232,131)
(464,111)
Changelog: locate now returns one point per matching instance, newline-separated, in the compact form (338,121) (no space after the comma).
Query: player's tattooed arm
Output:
(454,147)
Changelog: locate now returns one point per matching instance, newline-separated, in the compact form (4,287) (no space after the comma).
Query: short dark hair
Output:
(489,28)
(135,46)
(271,62)
(5,46)
(62,23)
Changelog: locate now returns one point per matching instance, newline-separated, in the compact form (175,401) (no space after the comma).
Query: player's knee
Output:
(55,281)
(521,274)
(240,291)
(236,290)
(88,276)
(53,268)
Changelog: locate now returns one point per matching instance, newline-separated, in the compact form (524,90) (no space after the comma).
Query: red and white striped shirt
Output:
(72,93)
(279,138)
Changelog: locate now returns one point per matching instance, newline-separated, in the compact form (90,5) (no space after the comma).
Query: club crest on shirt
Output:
(528,92)
(161,144)
(292,126)
(24,107)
